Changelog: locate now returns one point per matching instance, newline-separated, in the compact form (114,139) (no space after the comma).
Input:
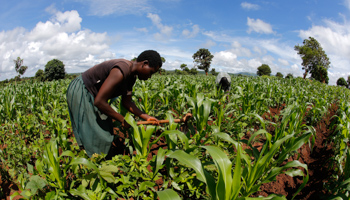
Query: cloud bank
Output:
(61,38)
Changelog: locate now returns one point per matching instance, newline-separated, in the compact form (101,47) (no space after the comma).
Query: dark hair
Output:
(224,84)
(152,56)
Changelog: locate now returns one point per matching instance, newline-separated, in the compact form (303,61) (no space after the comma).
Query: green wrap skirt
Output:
(92,130)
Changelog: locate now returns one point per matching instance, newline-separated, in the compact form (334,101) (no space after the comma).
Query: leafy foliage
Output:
(19,68)
(279,75)
(40,75)
(341,82)
(289,75)
(202,58)
(54,70)
(264,69)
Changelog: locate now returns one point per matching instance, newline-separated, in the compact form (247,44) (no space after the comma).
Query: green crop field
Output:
(236,145)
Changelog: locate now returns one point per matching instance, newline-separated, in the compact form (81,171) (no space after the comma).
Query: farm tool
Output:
(184,119)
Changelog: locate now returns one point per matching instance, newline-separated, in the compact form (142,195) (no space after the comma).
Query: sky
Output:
(242,35)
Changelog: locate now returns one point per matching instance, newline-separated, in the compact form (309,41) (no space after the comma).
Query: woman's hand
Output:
(149,118)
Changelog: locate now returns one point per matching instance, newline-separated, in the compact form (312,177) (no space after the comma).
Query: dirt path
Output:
(318,161)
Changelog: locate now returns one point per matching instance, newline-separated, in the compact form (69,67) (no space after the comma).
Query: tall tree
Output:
(313,56)
(264,69)
(202,59)
(19,68)
(348,81)
(54,70)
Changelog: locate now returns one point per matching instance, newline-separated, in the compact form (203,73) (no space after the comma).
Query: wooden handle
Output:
(184,119)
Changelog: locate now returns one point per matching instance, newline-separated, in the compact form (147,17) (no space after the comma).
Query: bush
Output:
(54,70)
(279,75)
(289,75)
(40,75)
(341,82)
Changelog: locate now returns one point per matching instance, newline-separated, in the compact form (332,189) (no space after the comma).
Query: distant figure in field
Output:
(223,81)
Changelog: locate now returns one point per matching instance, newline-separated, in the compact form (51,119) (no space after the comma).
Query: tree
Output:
(54,70)
(348,81)
(279,75)
(313,56)
(179,72)
(341,82)
(213,72)
(39,75)
(320,74)
(290,75)
(264,69)
(183,66)
(19,68)
(202,58)
(162,71)
(193,71)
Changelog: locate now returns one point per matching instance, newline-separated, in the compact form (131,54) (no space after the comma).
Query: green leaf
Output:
(190,161)
(168,194)
(145,185)
(194,163)
(84,161)
(36,183)
(224,166)
(160,160)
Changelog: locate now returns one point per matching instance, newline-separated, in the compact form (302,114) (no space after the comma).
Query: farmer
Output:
(223,81)
(87,97)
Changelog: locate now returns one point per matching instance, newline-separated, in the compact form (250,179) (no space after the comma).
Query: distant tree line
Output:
(54,70)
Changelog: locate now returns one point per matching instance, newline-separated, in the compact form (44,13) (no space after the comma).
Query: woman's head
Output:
(149,62)
(152,57)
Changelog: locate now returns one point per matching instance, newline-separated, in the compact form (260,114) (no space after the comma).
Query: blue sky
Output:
(242,35)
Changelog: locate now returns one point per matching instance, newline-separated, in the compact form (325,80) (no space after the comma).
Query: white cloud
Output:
(249,6)
(119,7)
(143,30)
(165,31)
(259,26)
(259,50)
(188,34)
(239,50)
(347,3)
(208,44)
(283,62)
(226,61)
(61,38)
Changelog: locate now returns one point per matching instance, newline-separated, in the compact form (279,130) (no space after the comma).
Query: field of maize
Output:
(267,138)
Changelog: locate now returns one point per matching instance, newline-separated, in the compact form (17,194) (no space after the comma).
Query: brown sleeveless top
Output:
(94,77)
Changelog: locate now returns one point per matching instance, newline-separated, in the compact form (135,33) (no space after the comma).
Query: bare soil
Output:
(317,160)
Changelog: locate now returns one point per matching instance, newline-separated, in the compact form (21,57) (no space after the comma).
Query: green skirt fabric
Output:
(92,130)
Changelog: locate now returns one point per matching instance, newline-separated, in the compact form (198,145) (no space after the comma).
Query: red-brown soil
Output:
(317,160)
